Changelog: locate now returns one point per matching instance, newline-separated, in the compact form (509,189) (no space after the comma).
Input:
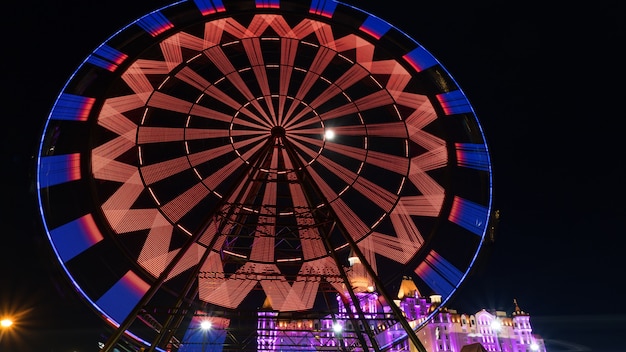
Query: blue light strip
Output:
(323,7)
(118,301)
(375,27)
(454,102)
(74,237)
(57,169)
(107,57)
(268,4)
(472,155)
(72,107)
(439,273)
(155,23)
(420,59)
(208,7)
(469,215)
(122,297)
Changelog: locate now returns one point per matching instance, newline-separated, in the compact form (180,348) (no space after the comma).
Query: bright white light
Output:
(337,328)
(329,134)
(534,346)
(496,325)
(205,325)
(5,323)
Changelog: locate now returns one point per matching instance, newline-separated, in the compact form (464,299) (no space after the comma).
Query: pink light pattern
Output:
(248,130)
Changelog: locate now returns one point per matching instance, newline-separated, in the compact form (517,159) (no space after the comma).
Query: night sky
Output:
(546,84)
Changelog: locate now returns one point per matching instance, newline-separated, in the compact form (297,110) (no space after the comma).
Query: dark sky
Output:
(546,83)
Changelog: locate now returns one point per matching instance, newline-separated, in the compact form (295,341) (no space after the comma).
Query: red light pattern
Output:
(247,131)
(258,120)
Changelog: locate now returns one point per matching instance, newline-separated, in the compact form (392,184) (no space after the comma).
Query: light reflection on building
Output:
(448,330)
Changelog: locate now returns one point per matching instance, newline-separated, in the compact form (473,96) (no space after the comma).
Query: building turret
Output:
(408,288)
(360,280)
(517,310)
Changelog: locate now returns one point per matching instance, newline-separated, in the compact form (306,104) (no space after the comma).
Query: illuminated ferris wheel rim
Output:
(429,189)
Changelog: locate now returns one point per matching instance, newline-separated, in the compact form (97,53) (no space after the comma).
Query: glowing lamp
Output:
(5,323)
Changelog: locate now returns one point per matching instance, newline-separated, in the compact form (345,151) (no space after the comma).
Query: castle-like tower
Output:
(447,330)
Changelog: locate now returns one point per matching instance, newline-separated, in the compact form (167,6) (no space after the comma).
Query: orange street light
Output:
(6,323)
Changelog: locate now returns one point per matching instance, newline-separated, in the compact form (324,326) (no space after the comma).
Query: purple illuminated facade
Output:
(447,330)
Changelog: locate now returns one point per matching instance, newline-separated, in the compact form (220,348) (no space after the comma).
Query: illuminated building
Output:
(447,330)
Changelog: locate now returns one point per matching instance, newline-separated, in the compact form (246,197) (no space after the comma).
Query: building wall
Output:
(445,331)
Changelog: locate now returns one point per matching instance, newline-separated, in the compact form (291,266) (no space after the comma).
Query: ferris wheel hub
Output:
(278,131)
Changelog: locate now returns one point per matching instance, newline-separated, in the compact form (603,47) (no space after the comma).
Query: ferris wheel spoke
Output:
(219,58)
(264,237)
(194,79)
(288,52)
(427,185)
(342,84)
(156,166)
(124,197)
(316,130)
(109,169)
(201,157)
(155,254)
(350,221)
(308,233)
(113,110)
(322,59)
(393,163)
(388,129)
(253,49)
(304,151)
(178,207)
(136,78)
(380,196)
(407,240)
(302,119)
(213,180)
(374,100)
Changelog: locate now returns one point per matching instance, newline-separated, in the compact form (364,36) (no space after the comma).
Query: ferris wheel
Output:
(213,156)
